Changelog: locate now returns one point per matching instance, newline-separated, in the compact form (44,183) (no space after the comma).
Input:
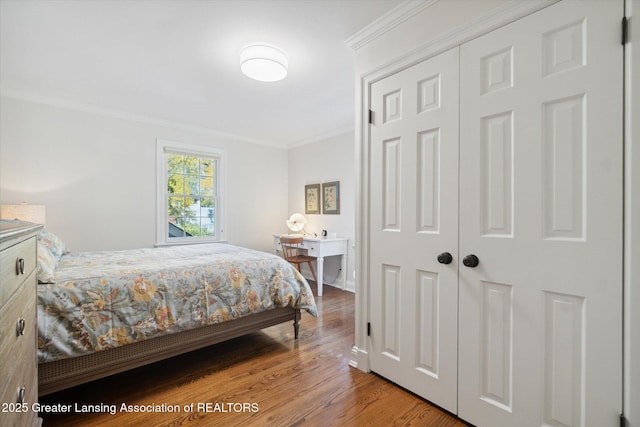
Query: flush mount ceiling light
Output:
(264,62)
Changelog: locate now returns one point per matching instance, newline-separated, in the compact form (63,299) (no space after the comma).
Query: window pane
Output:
(191,207)
(176,207)
(207,203)
(175,184)
(206,210)
(207,227)
(174,163)
(206,167)
(192,226)
(179,227)
(206,186)
(175,228)
(191,165)
(191,185)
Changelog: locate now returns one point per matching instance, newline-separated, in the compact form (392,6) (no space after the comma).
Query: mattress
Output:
(106,299)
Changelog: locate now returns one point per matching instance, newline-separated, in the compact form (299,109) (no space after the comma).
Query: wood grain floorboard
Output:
(281,381)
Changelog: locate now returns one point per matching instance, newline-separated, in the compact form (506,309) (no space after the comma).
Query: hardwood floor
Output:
(262,379)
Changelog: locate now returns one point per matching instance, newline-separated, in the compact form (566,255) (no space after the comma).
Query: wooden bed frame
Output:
(65,373)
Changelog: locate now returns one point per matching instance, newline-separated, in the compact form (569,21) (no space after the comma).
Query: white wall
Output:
(328,160)
(96,174)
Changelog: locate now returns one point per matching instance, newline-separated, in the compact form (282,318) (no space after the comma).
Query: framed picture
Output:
(331,198)
(312,199)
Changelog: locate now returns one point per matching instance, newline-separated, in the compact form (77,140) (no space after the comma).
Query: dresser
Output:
(18,328)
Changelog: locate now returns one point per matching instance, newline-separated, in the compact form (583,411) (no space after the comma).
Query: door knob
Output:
(471,261)
(445,258)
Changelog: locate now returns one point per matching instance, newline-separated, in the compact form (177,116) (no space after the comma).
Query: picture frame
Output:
(312,199)
(331,198)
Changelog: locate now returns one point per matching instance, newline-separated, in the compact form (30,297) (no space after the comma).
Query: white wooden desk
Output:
(320,247)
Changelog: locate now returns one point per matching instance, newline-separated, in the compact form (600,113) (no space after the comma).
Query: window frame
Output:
(162,216)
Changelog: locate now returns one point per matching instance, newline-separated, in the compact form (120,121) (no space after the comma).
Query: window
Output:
(190,188)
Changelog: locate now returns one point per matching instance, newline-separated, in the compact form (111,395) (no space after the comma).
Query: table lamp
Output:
(296,222)
(24,212)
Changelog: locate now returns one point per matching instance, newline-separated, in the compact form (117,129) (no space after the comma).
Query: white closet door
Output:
(541,208)
(414,205)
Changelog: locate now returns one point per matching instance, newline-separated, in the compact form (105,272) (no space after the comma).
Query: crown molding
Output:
(132,117)
(336,132)
(510,11)
(387,22)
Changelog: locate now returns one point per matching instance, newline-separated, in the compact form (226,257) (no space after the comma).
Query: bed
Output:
(101,313)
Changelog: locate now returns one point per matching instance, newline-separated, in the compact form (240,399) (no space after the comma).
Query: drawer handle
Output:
(21,395)
(21,326)
(20,266)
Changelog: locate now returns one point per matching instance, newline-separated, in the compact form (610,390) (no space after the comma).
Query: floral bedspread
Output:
(102,300)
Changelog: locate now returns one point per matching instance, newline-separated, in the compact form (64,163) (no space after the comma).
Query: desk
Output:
(320,247)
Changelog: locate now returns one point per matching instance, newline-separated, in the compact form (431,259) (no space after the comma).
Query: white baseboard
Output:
(351,284)
(359,359)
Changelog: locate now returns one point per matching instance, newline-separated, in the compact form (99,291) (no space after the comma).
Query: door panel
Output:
(414,203)
(541,207)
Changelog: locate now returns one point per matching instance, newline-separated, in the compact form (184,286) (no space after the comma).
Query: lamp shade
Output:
(24,212)
(264,62)
(296,222)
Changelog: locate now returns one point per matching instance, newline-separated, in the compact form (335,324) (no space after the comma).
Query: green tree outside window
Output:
(192,188)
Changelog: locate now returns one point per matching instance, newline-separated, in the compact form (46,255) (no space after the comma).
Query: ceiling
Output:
(177,62)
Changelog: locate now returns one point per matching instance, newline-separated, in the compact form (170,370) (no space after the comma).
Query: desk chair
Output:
(291,251)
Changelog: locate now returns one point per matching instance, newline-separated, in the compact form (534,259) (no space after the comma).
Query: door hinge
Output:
(625,30)
(623,421)
(370,117)
(368,329)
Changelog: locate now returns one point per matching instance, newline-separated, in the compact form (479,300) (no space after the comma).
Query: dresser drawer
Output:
(12,276)
(22,415)
(18,351)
